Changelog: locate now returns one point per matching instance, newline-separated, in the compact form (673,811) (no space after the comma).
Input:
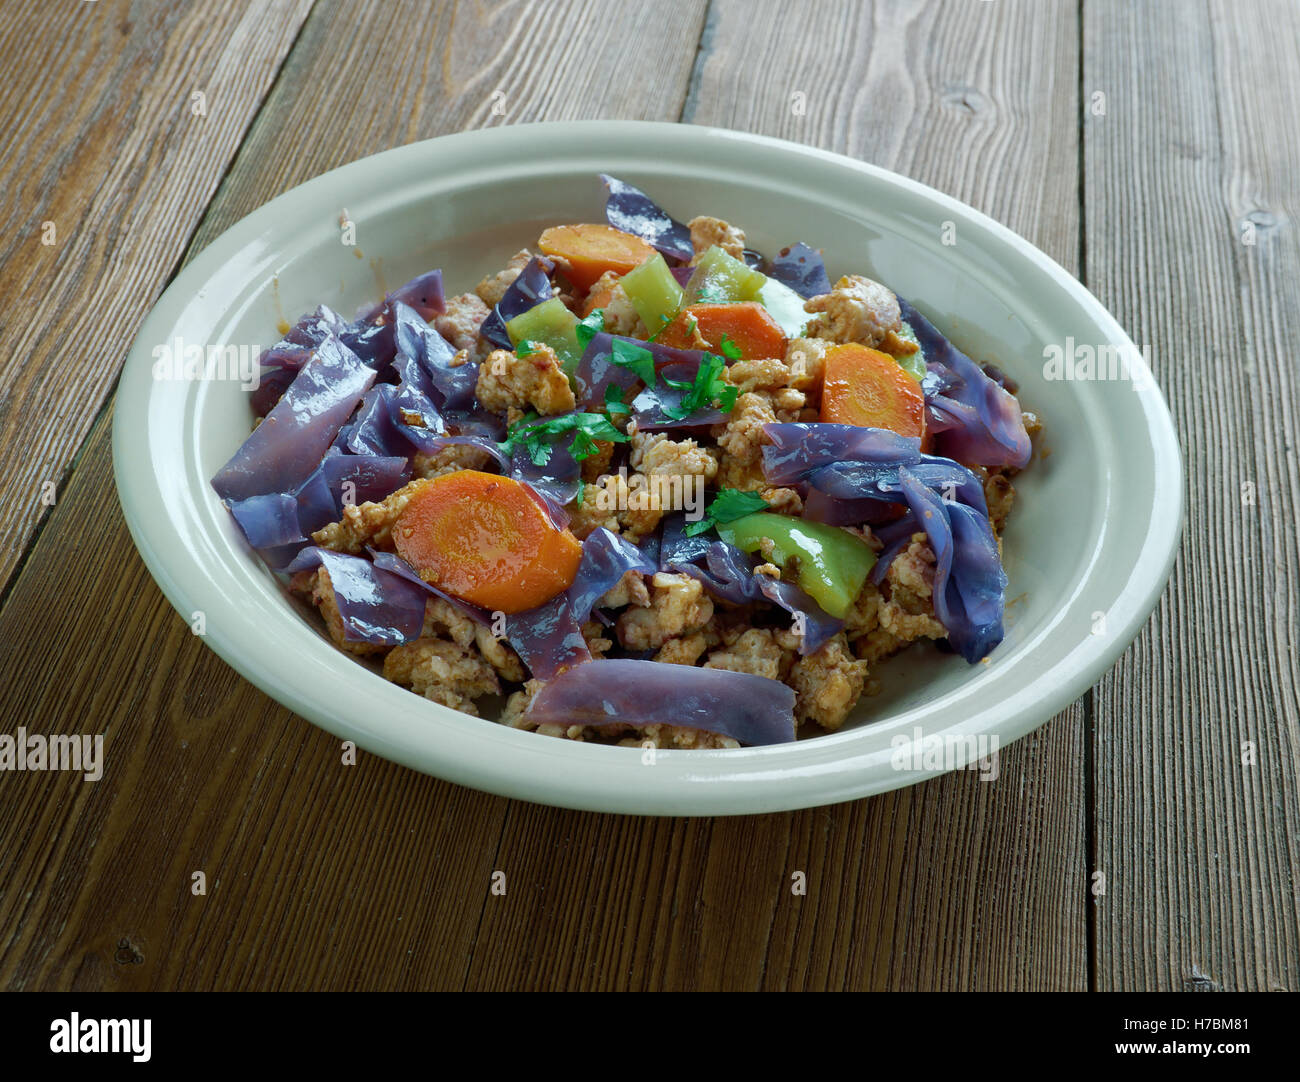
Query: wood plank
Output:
(319,875)
(101,182)
(952,884)
(1191,199)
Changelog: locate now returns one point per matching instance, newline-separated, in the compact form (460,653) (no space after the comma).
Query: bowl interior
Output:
(1078,547)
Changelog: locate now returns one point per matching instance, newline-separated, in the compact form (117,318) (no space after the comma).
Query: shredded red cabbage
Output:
(802,269)
(375,605)
(847,466)
(728,574)
(752,710)
(631,210)
(973,418)
(281,453)
(597,371)
(529,289)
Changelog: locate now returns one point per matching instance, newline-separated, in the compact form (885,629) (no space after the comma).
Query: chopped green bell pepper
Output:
(654,293)
(785,306)
(551,324)
(722,279)
(833,564)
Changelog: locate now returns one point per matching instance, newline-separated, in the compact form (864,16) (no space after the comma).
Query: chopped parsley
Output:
(536,435)
(704,390)
(640,360)
(614,400)
(729,348)
(592,325)
(728,505)
(525,348)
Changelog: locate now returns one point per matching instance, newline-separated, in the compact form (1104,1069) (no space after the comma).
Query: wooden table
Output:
(1148,837)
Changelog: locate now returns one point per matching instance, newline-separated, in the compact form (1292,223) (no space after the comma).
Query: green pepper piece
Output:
(785,306)
(654,293)
(721,279)
(551,324)
(833,564)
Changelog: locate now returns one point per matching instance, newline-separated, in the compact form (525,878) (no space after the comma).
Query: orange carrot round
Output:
(865,387)
(591,250)
(747,325)
(486,540)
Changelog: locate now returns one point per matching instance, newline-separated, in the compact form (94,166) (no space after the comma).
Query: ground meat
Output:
(673,736)
(315,587)
(783,501)
(661,459)
(613,504)
(908,614)
(517,705)
(535,381)
(757,652)
(367,523)
(828,684)
(765,374)
(678,606)
(459,324)
(497,654)
(706,232)
(621,316)
(442,671)
(805,358)
(593,632)
(598,462)
(684,651)
(856,310)
(443,620)
(629,590)
(741,442)
(450,459)
(492,288)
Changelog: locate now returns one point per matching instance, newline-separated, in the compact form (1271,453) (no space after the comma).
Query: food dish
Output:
(1095,531)
(641,467)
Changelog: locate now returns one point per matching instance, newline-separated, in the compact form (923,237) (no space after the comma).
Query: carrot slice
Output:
(591,250)
(862,386)
(485,539)
(747,325)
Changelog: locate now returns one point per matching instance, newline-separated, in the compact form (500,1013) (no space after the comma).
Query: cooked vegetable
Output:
(832,564)
(801,269)
(530,288)
(973,419)
(722,278)
(537,437)
(729,574)
(597,370)
(631,210)
(452,385)
(912,363)
(374,605)
(422,293)
(589,251)
(654,294)
(785,306)
(281,452)
(727,506)
(746,325)
(750,709)
(483,538)
(553,325)
(865,387)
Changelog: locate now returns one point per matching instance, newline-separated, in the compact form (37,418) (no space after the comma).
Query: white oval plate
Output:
(1087,549)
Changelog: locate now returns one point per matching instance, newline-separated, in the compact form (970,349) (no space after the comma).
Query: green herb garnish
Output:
(587,429)
(707,387)
(640,360)
(525,348)
(728,505)
(729,348)
(614,400)
(587,329)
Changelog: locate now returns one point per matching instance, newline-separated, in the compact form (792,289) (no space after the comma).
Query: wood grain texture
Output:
(107,162)
(319,875)
(1192,200)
